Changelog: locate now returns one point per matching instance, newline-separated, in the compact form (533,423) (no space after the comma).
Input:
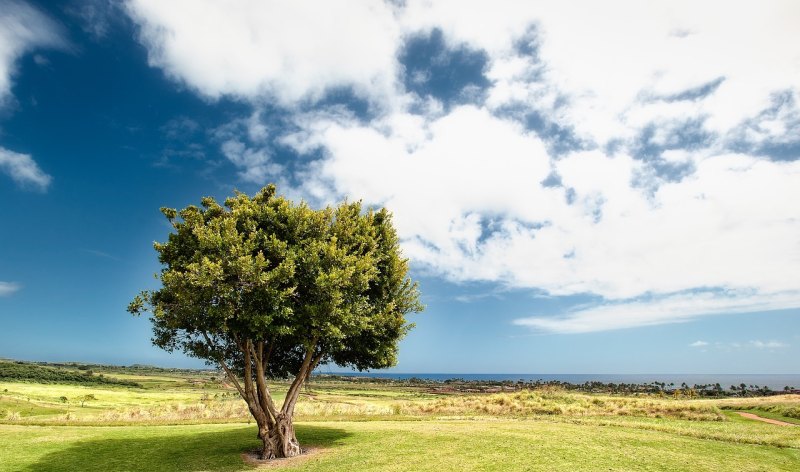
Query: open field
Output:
(186,421)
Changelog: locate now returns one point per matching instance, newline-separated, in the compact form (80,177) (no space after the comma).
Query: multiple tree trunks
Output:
(281,441)
(269,288)
(275,426)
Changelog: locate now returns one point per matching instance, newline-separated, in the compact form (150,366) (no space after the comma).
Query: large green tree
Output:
(267,288)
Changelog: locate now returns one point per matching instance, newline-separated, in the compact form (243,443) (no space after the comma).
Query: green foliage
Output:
(283,275)
(269,288)
(86,398)
(27,372)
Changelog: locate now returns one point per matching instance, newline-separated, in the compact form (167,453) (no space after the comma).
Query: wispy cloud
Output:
(729,346)
(23,170)
(245,143)
(8,288)
(23,29)
(660,310)
(102,254)
(767,344)
(96,17)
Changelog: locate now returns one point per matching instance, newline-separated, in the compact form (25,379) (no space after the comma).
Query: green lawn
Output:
(25,408)
(174,423)
(430,445)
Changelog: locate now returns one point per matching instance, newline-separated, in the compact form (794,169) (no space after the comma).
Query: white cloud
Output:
(285,51)
(757,344)
(245,143)
(767,344)
(22,29)
(466,193)
(23,170)
(8,288)
(620,65)
(96,17)
(465,183)
(652,311)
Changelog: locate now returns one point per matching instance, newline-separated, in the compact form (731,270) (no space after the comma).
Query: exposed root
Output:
(254,458)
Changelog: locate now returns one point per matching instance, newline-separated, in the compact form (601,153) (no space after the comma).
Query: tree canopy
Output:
(269,288)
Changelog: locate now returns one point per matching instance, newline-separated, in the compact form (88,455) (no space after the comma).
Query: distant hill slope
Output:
(29,372)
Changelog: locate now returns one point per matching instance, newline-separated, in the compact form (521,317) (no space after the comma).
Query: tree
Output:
(86,398)
(267,288)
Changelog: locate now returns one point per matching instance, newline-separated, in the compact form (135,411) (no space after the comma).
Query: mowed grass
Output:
(429,445)
(175,423)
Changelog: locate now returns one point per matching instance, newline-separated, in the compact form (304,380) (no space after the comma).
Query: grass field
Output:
(189,422)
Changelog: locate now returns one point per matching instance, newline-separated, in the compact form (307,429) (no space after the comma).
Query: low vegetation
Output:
(552,401)
(29,372)
(194,420)
(784,407)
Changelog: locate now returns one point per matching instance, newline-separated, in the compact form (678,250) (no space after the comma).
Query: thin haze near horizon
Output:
(581,187)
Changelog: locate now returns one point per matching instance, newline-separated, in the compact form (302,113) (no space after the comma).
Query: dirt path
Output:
(765,420)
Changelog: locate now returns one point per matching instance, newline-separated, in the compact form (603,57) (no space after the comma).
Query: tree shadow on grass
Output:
(166,448)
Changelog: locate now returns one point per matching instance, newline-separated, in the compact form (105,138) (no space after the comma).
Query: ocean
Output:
(773,381)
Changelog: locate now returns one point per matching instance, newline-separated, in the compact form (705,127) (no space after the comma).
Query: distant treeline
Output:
(28,372)
(457,385)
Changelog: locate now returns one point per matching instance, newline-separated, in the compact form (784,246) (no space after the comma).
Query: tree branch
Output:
(221,361)
(248,372)
(264,396)
(314,363)
(294,389)
(269,352)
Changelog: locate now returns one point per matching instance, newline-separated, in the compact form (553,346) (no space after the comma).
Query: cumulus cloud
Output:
(8,288)
(285,51)
(466,190)
(618,66)
(23,170)
(626,151)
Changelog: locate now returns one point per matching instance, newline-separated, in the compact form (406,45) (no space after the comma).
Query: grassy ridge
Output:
(27,372)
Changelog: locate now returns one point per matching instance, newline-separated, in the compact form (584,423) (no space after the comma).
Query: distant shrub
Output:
(24,372)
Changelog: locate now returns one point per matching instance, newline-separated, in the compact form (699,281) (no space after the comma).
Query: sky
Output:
(581,187)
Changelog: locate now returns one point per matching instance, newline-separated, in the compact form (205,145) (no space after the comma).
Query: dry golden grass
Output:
(786,406)
(541,402)
(560,402)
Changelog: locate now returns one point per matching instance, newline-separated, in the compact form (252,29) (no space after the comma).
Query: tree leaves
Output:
(271,271)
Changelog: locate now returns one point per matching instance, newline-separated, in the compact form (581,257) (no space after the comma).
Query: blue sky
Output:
(610,191)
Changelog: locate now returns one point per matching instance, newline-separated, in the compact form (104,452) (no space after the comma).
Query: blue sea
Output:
(773,381)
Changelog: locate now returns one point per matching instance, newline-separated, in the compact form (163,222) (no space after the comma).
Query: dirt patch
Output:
(251,458)
(765,420)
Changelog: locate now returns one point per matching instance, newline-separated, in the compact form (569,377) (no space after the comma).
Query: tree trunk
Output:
(281,441)
(268,449)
